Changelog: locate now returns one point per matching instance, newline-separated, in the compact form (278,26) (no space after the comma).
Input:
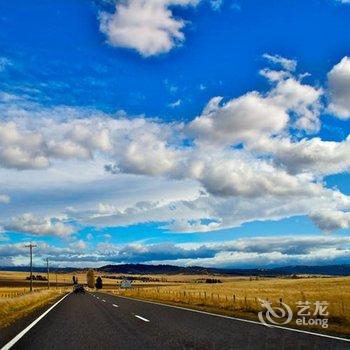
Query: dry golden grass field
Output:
(20,305)
(236,296)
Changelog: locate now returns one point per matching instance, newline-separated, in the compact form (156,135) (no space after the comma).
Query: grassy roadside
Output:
(12,309)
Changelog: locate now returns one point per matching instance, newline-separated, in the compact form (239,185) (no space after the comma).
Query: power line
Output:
(31,246)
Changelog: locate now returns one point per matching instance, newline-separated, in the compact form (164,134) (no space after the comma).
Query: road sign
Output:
(125,284)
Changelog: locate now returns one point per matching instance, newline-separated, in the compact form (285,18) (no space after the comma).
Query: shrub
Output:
(98,283)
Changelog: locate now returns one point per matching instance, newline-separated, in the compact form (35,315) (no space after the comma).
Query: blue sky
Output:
(175,131)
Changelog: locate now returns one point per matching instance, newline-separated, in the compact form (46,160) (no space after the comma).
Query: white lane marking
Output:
(115,305)
(240,319)
(98,297)
(12,342)
(103,300)
(142,318)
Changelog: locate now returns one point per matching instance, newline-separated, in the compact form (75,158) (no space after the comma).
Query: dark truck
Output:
(78,288)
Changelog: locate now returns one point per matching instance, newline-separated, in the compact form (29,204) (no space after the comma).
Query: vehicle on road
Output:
(79,288)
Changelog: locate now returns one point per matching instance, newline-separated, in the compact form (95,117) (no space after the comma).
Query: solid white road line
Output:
(238,319)
(115,305)
(142,318)
(26,330)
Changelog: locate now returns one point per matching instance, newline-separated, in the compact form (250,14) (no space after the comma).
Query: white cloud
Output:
(175,104)
(139,212)
(4,63)
(241,119)
(19,149)
(247,118)
(4,198)
(339,88)
(216,4)
(285,63)
(222,213)
(79,245)
(313,156)
(147,26)
(28,223)
(230,174)
(300,100)
(147,151)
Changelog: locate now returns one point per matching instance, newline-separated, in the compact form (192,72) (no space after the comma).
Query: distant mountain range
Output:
(143,269)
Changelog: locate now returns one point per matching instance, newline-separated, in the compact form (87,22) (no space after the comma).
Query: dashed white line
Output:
(142,318)
(103,300)
(115,305)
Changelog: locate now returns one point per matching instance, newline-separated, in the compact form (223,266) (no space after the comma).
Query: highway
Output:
(102,321)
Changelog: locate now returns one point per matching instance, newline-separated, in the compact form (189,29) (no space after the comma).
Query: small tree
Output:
(98,283)
(90,279)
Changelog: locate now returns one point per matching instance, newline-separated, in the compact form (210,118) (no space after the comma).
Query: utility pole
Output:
(31,246)
(48,273)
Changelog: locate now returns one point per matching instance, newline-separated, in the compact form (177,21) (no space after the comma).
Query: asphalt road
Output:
(100,321)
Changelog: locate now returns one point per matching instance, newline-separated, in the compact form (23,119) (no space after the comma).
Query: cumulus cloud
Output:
(339,88)
(230,175)
(313,156)
(147,26)
(147,153)
(19,149)
(289,103)
(40,226)
(300,100)
(240,119)
(331,220)
(242,155)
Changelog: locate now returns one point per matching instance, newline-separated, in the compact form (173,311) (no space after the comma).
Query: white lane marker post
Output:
(115,305)
(142,318)
(12,342)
